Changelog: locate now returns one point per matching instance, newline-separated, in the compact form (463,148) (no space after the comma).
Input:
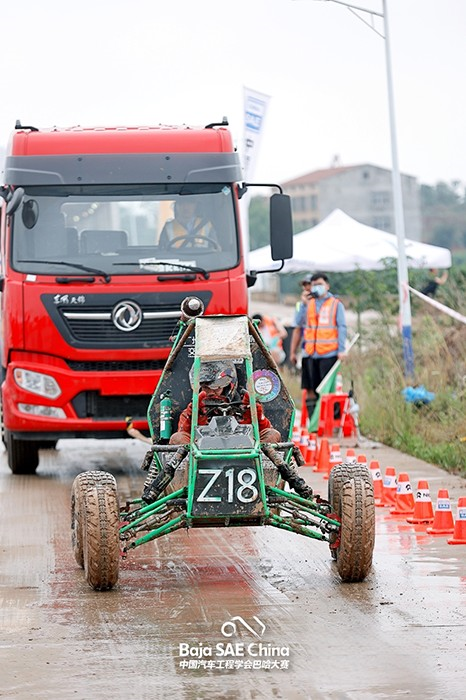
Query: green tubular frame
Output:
(186,518)
(197,455)
(299,526)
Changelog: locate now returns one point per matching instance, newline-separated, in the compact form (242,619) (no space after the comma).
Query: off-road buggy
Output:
(224,476)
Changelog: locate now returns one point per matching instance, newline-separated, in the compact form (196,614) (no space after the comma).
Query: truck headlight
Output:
(46,411)
(37,383)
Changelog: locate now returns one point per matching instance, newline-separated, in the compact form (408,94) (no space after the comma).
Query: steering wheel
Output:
(225,407)
(185,238)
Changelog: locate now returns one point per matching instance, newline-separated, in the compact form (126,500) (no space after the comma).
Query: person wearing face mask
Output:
(320,329)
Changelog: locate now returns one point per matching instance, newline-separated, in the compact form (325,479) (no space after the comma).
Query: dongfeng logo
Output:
(127,316)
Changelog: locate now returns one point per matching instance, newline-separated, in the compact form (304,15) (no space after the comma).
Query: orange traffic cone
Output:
(443,519)
(423,510)
(350,456)
(404,499)
(303,440)
(304,416)
(377,481)
(317,452)
(335,458)
(459,533)
(323,459)
(362,459)
(296,435)
(389,487)
(311,452)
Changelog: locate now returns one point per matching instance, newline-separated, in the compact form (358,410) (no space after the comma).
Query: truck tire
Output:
(47,444)
(351,495)
(23,455)
(96,502)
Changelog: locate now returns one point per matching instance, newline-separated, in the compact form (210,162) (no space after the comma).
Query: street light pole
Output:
(403,291)
(403,281)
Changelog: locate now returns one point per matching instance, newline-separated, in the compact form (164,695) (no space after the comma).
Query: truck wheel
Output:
(353,502)
(23,455)
(96,503)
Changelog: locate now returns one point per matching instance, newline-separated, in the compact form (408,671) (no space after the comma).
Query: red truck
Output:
(91,290)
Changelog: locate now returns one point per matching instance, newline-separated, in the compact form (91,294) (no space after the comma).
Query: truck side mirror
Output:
(15,201)
(251,279)
(281,227)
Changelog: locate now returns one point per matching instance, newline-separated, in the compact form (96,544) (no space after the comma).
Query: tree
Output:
(443,208)
(259,226)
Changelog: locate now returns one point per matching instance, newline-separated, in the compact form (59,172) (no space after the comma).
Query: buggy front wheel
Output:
(351,495)
(95,528)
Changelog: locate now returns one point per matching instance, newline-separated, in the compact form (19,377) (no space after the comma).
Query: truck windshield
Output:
(125,230)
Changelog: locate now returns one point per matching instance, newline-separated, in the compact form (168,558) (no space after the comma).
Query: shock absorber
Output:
(153,487)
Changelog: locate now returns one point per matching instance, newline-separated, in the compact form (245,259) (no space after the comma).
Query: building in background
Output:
(362,191)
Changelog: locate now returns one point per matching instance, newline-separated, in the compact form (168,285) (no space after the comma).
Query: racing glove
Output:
(261,418)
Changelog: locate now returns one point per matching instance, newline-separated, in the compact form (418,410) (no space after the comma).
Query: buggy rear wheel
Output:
(351,495)
(95,528)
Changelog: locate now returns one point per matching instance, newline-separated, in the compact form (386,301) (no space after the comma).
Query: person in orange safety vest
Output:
(273,334)
(320,329)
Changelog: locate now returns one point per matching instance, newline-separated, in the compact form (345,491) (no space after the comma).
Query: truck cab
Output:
(104,232)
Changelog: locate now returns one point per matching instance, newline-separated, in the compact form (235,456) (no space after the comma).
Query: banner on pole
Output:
(327,386)
(255,108)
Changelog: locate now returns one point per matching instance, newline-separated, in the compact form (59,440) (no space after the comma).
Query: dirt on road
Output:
(402,632)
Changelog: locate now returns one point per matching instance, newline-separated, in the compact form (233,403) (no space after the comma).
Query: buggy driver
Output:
(218,382)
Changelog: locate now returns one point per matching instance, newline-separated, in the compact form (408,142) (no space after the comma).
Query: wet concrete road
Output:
(401,633)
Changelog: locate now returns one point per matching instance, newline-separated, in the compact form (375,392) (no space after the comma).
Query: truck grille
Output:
(156,330)
(115,321)
(90,404)
(116,365)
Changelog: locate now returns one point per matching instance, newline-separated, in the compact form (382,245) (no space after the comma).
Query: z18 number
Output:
(242,487)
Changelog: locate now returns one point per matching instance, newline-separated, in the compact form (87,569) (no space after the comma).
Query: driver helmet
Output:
(221,373)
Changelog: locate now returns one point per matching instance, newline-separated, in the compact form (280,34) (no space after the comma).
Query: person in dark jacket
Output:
(430,290)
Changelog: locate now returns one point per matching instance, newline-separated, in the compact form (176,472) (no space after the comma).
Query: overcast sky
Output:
(96,62)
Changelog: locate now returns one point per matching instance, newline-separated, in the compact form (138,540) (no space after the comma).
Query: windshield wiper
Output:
(191,268)
(95,270)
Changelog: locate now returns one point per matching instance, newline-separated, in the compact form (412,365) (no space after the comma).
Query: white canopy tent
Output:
(342,244)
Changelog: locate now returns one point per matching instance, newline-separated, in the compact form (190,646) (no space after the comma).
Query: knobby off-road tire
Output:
(337,477)
(95,528)
(80,485)
(351,494)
